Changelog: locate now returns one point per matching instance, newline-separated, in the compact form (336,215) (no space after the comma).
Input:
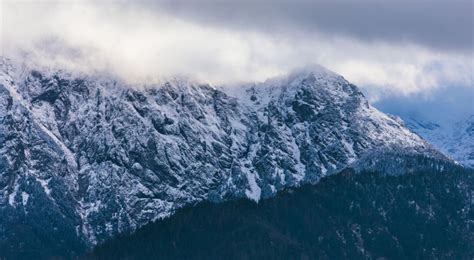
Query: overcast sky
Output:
(389,48)
(444,25)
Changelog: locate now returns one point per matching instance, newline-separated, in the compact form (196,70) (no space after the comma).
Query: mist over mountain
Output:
(444,118)
(84,158)
(456,140)
(207,129)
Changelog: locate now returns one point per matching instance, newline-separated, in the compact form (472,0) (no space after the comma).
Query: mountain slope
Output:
(456,141)
(423,214)
(105,157)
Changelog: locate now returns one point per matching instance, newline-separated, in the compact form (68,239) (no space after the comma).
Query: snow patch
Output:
(11,197)
(24,198)
(350,149)
(255,192)
(44,184)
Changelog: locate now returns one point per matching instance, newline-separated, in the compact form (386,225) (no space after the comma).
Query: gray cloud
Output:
(446,105)
(438,24)
(381,47)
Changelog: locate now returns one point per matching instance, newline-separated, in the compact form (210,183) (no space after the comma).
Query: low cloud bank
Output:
(141,42)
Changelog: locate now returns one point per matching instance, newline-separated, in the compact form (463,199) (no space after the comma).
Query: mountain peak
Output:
(313,69)
(107,155)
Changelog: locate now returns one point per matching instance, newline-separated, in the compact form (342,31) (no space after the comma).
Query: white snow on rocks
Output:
(124,156)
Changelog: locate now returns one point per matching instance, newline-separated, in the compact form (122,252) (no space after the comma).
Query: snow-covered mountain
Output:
(85,157)
(456,140)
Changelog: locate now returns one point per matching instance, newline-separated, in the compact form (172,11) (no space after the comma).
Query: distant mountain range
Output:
(456,141)
(86,157)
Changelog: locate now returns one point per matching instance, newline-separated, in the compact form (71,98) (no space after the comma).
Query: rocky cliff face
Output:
(86,157)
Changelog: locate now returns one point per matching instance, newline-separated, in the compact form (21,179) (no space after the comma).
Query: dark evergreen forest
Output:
(419,215)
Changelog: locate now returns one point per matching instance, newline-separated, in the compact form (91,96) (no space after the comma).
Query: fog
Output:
(388,53)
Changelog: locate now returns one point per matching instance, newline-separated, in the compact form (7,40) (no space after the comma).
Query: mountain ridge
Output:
(455,141)
(108,158)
